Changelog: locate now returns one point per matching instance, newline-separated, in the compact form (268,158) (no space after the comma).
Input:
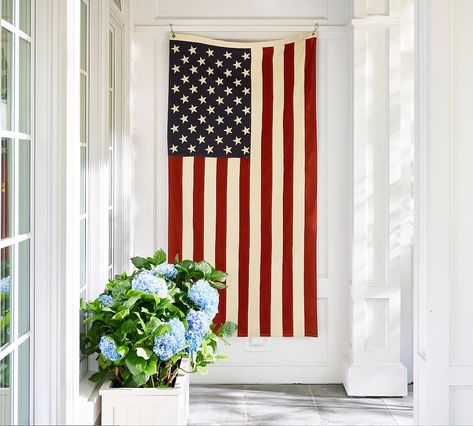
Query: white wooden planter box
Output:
(146,406)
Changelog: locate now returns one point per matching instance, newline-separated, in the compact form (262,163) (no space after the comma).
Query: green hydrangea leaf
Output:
(219,285)
(159,257)
(217,276)
(227,329)
(151,366)
(203,267)
(161,330)
(97,377)
(138,262)
(131,301)
(135,363)
(140,379)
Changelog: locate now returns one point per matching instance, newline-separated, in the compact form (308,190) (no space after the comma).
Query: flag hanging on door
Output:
(242,151)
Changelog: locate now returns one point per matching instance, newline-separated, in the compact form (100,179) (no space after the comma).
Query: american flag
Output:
(243,175)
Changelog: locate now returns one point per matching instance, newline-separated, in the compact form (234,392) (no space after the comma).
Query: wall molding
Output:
(159,16)
(256,26)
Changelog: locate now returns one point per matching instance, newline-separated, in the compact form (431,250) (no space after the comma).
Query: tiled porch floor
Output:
(293,405)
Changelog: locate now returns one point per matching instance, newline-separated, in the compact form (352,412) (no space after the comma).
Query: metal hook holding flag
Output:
(316,28)
(173,35)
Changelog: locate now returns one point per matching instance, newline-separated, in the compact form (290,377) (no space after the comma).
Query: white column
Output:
(374,367)
(444,227)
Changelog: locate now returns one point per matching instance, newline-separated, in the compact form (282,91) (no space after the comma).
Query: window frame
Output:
(15,239)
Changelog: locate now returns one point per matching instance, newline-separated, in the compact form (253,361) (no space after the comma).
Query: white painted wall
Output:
(444,229)
(286,359)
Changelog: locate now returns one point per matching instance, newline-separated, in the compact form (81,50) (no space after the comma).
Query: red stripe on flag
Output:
(266,192)
(221,233)
(175,208)
(198,208)
(288,195)
(244,244)
(310,220)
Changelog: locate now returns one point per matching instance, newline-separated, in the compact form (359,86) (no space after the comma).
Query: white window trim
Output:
(100,14)
(56,211)
(57,389)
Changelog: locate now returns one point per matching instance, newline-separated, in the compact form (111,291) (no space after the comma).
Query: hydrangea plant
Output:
(145,323)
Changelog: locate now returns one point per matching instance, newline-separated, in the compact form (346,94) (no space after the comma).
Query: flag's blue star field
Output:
(209,100)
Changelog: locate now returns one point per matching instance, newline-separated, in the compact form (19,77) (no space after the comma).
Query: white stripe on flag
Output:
(187,208)
(233,234)
(277,196)
(299,193)
(255,194)
(210,195)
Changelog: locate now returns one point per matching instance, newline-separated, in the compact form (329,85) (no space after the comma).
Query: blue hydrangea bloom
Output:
(5,285)
(198,323)
(147,282)
(109,348)
(106,300)
(203,295)
(172,342)
(167,270)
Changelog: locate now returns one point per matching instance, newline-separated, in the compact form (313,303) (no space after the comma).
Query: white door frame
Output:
(443,343)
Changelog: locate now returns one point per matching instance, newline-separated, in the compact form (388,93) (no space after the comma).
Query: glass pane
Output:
(110,237)
(83,251)
(110,59)
(23,287)
(83,108)
(83,179)
(24,186)
(24,383)
(83,36)
(6,198)
(83,362)
(110,118)
(25,86)
(6,92)
(110,177)
(25,16)
(5,391)
(7,10)
(6,276)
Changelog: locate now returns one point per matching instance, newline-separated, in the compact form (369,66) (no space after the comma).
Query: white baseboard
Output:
(377,380)
(251,374)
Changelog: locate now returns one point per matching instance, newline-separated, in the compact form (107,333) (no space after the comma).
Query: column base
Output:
(376,380)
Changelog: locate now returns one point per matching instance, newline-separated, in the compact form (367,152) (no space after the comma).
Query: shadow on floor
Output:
(293,405)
